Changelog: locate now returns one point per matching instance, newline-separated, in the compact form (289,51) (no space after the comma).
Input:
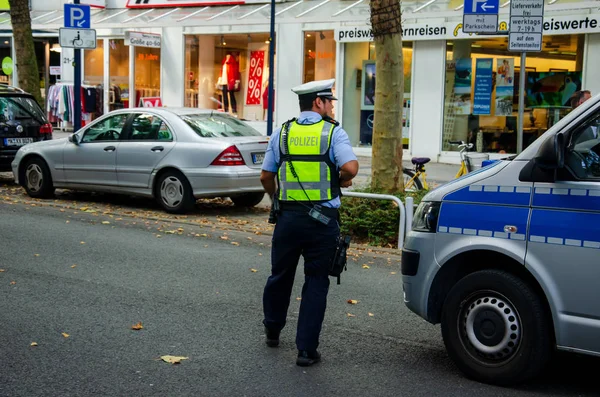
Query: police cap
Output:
(314,89)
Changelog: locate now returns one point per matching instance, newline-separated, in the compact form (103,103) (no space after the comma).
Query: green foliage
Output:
(373,222)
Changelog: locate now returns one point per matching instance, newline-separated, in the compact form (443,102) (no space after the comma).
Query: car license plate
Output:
(17,141)
(257,158)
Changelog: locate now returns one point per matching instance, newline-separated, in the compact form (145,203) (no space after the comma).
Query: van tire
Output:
(496,329)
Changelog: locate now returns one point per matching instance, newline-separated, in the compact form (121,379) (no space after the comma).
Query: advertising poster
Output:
(482,101)
(255,78)
(462,85)
(505,85)
(551,89)
(368,86)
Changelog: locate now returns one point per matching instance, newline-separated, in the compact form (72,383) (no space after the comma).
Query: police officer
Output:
(311,158)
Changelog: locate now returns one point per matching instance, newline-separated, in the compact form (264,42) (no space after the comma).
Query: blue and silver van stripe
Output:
(567,198)
(492,194)
(483,220)
(573,229)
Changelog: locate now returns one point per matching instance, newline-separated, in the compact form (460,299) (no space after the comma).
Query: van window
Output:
(583,155)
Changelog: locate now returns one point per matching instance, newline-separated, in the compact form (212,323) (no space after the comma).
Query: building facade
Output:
(177,51)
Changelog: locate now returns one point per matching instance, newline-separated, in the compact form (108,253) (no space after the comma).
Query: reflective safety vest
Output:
(306,147)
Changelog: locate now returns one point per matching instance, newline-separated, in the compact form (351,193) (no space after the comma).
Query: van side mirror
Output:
(74,138)
(551,154)
(549,158)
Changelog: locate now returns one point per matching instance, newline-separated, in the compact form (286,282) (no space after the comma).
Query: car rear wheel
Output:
(174,193)
(496,329)
(247,199)
(37,180)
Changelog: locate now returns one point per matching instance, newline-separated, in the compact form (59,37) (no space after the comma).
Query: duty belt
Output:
(297,207)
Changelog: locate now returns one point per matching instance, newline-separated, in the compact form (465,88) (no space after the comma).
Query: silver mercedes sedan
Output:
(175,155)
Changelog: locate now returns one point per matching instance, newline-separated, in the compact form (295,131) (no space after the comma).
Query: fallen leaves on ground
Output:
(65,335)
(298,298)
(2,270)
(393,273)
(173,359)
(137,326)
(73,266)
(366,266)
(33,344)
(253,270)
(13,282)
(235,243)
(352,301)
(105,222)
(351,315)
(224,238)
(371,315)
(83,242)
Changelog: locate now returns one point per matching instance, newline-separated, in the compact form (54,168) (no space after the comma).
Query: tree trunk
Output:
(26,62)
(386,170)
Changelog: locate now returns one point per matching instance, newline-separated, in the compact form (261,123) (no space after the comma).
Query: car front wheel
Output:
(496,329)
(174,193)
(37,179)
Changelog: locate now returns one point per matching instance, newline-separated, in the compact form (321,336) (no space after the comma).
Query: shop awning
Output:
(356,11)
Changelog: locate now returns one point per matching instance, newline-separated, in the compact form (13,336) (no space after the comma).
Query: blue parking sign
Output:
(481,7)
(77,16)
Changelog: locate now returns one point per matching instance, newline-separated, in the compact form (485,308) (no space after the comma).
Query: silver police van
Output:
(507,258)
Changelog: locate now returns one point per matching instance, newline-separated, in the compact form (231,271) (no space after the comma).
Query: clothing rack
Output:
(60,104)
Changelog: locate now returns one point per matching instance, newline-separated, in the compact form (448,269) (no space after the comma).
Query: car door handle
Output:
(157,149)
(110,149)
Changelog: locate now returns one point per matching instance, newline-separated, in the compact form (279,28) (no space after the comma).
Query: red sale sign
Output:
(255,75)
(150,102)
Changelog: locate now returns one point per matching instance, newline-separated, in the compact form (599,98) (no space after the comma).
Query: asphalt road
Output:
(93,276)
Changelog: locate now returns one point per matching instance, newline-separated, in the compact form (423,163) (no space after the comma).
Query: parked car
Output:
(22,121)
(173,155)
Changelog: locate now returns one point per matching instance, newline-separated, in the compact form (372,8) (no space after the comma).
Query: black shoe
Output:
(272,337)
(306,358)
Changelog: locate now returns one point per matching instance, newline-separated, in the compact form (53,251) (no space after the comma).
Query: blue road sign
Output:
(77,16)
(481,7)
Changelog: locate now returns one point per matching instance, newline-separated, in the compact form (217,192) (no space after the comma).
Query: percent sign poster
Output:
(255,75)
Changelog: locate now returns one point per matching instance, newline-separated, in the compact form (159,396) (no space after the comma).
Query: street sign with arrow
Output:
(480,16)
(77,16)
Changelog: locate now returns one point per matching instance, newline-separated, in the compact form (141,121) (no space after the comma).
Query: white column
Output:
(66,62)
(427,98)
(132,98)
(106,75)
(172,82)
(206,71)
(288,66)
(591,72)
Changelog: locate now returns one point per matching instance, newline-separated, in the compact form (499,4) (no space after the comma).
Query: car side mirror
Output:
(551,154)
(74,138)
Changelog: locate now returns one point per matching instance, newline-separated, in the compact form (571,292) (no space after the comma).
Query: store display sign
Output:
(482,101)
(462,85)
(187,3)
(150,102)
(55,70)
(505,86)
(255,77)
(526,25)
(141,39)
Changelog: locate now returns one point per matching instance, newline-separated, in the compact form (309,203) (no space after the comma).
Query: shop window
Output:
(359,91)
(147,73)
(319,55)
(119,74)
(228,73)
(93,64)
(6,57)
(482,88)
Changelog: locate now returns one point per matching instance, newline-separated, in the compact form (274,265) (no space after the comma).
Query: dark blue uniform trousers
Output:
(297,234)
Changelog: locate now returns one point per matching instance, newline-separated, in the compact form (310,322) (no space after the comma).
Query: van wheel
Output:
(36,179)
(496,329)
(174,193)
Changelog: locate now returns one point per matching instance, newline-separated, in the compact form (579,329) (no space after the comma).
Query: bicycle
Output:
(416,179)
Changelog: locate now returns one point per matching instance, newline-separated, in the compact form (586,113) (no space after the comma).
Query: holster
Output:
(275,210)
(338,264)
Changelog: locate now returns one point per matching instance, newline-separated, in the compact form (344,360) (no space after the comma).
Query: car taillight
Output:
(229,156)
(46,129)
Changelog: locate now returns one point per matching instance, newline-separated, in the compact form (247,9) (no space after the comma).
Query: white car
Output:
(173,155)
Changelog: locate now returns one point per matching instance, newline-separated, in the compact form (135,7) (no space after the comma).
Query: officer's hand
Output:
(346,183)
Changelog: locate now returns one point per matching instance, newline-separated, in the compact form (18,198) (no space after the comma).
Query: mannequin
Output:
(230,82)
